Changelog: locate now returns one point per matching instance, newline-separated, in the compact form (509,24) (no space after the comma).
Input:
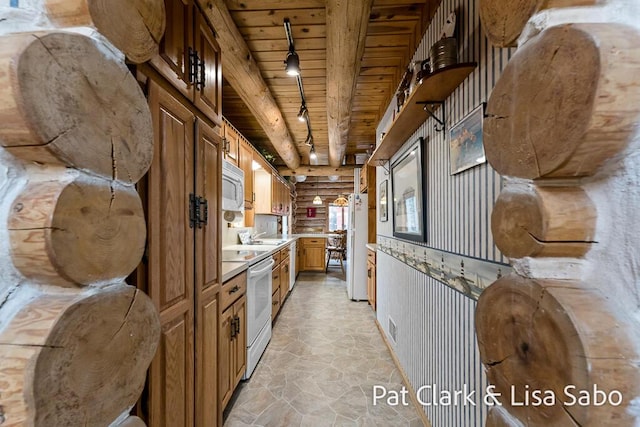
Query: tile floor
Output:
(325,356)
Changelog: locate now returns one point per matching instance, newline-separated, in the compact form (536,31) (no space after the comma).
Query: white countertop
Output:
(232,269)
(267,248)
(372,246)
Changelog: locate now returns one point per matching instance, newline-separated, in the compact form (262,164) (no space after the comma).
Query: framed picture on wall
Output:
(384,210)
(407,193)
(465,141)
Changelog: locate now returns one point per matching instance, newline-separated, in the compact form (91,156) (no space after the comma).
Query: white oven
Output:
(258,312)
(232,187)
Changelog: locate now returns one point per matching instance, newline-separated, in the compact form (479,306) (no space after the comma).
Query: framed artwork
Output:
(407,191)
(384,210)
(465,141)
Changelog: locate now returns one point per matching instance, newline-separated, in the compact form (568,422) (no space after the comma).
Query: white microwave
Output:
(232,187)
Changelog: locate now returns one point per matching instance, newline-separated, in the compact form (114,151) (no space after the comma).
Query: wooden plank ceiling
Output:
(393,33)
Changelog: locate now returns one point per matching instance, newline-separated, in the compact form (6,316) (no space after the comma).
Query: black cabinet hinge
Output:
(198,211)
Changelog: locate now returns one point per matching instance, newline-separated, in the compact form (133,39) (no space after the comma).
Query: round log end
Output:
(560,108)
(515,221)
(83,232)
(528,220)
(134,27)
(93,364)
(503,21)
(545,336)
(83,108)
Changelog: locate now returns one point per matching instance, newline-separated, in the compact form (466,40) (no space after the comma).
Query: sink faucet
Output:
(253,237)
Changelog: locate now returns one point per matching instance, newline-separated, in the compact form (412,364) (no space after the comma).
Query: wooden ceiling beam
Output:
(317,171)
(347,23)
(243,74)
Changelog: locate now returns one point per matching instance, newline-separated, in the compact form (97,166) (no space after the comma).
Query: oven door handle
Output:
(254,273)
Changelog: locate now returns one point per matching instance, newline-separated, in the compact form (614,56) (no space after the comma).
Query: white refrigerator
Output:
(356,250)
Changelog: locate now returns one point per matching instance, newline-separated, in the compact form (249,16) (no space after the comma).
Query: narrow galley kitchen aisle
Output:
(320,368)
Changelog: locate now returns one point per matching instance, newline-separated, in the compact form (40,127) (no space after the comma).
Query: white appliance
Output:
(356,247)
(292,265)
(258,312)
(232,187)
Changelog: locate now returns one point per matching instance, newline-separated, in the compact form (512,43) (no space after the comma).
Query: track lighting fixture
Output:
(293,63)
(302,114)
(293,60)
(312,152)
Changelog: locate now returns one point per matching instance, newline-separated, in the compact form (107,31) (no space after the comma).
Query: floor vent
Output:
(392,330)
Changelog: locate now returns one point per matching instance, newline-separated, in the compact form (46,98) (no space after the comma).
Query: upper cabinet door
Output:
(208,87)
(173,59)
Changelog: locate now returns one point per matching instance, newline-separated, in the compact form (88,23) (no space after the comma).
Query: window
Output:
(338,216)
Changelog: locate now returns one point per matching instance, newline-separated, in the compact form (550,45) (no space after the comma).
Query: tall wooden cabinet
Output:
(183,263)
(190,58)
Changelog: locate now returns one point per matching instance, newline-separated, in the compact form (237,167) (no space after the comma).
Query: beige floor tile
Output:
(324,358)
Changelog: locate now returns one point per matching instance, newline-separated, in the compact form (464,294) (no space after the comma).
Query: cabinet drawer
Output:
(275,276)
(233,289)
(284,253)
(371,256)
(313,242)
(275,304)
(276,258)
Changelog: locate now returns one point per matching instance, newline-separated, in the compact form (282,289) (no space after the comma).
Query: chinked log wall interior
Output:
(75,225)
(182,270)
(558,216)
(328,192)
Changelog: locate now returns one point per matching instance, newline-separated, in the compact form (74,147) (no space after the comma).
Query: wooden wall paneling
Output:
(171,255)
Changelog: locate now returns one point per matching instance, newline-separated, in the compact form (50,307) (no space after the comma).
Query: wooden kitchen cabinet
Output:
(183,266)
(231,145)
(232,350)
(189,57)
(285,266)
(245,161)
(298,257)
(313,253)
(371,278)
(275,304)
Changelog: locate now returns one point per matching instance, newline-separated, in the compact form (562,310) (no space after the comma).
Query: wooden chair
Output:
(336,249)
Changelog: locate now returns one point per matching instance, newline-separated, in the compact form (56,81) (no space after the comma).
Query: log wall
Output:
(459,215)
(71,224)
(328,192)
(458,221)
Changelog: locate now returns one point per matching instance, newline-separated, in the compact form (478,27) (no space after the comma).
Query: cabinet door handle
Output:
(233,290)
(200,84)
(369,273)
(237,326)
(192,66)
(275,303)
(232,324)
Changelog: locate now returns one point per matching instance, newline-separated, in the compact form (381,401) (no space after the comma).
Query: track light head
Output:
(312,153)
(302,114)
(292,63)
